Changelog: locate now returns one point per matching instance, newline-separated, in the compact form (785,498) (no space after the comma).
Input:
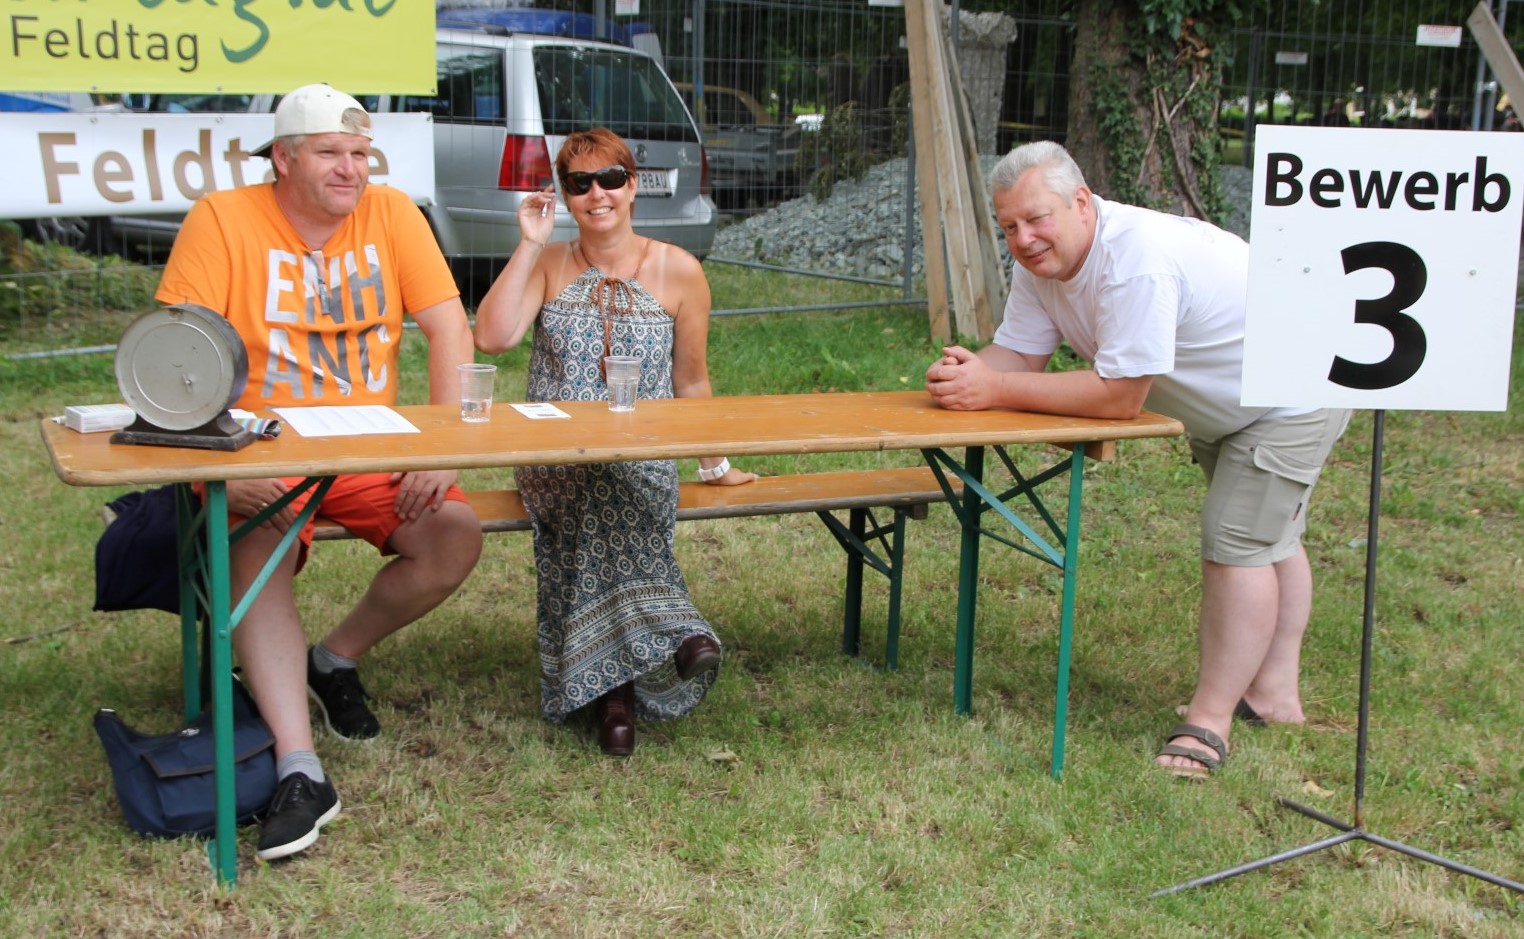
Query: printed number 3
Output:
(1409,277)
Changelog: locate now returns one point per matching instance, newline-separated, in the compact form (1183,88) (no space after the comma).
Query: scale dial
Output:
(181,367)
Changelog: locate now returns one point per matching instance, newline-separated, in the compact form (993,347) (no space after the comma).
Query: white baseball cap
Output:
(318,109)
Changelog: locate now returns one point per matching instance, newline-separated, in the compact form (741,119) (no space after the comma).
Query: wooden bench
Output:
(906,491)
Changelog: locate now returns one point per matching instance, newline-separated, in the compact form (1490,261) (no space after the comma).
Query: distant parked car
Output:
(752,157)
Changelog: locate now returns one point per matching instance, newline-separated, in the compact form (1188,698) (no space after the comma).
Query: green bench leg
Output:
(852,612)
(896,582)
(856,539)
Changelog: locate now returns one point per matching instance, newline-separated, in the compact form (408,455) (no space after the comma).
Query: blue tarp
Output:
(544,23)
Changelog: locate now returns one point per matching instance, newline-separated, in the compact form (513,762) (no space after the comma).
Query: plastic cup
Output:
(623,373)
(476,381)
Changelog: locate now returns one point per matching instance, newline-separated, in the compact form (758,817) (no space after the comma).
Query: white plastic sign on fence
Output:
(1383,267)
(126,163)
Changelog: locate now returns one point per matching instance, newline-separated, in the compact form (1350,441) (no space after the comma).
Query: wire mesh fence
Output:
(793,98)
(1362,63)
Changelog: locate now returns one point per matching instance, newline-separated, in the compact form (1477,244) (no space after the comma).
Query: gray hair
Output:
(1059,170)
(290,143)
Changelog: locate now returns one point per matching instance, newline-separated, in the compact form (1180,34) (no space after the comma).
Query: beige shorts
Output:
(1260,482)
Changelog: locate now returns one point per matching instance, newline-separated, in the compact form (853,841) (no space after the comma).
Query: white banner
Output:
(1383,266)
(127,163)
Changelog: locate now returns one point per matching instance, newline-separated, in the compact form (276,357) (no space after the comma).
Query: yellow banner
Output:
(125,46)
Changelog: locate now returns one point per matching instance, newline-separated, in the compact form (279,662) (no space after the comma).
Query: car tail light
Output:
(526,164)
(704,187)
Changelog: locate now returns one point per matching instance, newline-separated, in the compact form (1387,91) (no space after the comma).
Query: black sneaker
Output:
(341,698)
(299,809)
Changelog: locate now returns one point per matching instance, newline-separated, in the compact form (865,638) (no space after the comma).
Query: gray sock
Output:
(300,761)
(327,661)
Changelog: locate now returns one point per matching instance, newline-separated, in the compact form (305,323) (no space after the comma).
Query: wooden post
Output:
(953,202)
(1500,56)
(926,175)
(995,286)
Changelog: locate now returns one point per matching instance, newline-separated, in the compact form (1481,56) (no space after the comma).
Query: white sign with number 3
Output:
(1383,268)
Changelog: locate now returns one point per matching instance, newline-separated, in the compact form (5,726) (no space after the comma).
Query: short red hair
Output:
(599,142)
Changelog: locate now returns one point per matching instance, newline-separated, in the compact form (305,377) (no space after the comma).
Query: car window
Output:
(470,87)
(624,92)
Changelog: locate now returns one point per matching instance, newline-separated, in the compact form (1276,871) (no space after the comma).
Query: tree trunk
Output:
(1143,111)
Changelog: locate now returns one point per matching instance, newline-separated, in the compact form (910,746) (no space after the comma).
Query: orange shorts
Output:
(361,502)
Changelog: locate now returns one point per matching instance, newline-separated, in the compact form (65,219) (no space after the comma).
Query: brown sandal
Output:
(1209,761)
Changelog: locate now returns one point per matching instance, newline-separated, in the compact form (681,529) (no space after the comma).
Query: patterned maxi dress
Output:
(612,604)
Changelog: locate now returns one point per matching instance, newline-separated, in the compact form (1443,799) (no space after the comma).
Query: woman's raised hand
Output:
(537,216)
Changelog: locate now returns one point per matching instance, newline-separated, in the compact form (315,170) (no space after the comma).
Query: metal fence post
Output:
(907,263)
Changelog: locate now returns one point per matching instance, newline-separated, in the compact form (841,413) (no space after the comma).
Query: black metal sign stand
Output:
(1353,831)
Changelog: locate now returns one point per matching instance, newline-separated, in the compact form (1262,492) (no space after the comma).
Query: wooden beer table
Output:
(657,429)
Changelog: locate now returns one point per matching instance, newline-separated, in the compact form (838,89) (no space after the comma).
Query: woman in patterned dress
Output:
(616,627)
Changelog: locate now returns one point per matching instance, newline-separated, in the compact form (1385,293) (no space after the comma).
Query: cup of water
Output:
(476,380)
(623,375)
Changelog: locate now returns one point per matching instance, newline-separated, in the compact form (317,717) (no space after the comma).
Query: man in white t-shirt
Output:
(1156,303)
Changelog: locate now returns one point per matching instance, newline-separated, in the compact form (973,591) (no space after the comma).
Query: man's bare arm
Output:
(999,378)
(449,334)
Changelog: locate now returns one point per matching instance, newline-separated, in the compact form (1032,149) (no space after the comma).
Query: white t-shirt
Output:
(1158,295)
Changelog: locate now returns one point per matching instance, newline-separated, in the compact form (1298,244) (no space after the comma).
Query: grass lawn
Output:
(814,794)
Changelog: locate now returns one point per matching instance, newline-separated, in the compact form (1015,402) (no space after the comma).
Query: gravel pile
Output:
(860,229)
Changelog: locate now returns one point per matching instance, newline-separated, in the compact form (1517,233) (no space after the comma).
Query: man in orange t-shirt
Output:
(315,271)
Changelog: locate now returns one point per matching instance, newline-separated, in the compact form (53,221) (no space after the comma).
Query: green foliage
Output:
(1117,120)
(1168,18)
(1155,89)
(52,296)
(834,152)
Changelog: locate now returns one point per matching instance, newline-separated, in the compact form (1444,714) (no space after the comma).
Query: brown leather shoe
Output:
(616,721)
(697,654)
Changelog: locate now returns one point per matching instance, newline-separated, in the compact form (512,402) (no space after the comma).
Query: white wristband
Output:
(713,473)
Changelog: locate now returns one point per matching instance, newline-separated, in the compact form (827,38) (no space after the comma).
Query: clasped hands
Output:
(960,380)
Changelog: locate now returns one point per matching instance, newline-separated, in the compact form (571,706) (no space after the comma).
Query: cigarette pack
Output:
(90,418)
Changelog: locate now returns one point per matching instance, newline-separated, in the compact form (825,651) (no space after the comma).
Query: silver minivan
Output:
(504,104)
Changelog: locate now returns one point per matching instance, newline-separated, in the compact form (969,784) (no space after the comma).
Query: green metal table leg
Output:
(1066,617)
(968,585)
(222,849)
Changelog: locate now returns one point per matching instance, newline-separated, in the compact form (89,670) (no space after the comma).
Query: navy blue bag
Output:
(165,783)
(136,556)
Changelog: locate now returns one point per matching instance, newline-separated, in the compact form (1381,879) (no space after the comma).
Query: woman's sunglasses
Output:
(610,178)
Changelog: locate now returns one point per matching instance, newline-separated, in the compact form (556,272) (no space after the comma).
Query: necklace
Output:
(614,297)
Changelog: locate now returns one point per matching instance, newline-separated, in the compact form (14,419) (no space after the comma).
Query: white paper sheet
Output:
(539,410)
(345,421)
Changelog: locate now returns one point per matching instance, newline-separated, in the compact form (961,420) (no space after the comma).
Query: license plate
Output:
(655,182)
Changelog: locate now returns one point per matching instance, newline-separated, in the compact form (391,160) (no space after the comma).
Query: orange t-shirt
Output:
(320,327)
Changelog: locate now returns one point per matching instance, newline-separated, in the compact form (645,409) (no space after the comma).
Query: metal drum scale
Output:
(180,368)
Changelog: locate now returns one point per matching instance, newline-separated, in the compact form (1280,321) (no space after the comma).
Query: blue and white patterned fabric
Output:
(612,603)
